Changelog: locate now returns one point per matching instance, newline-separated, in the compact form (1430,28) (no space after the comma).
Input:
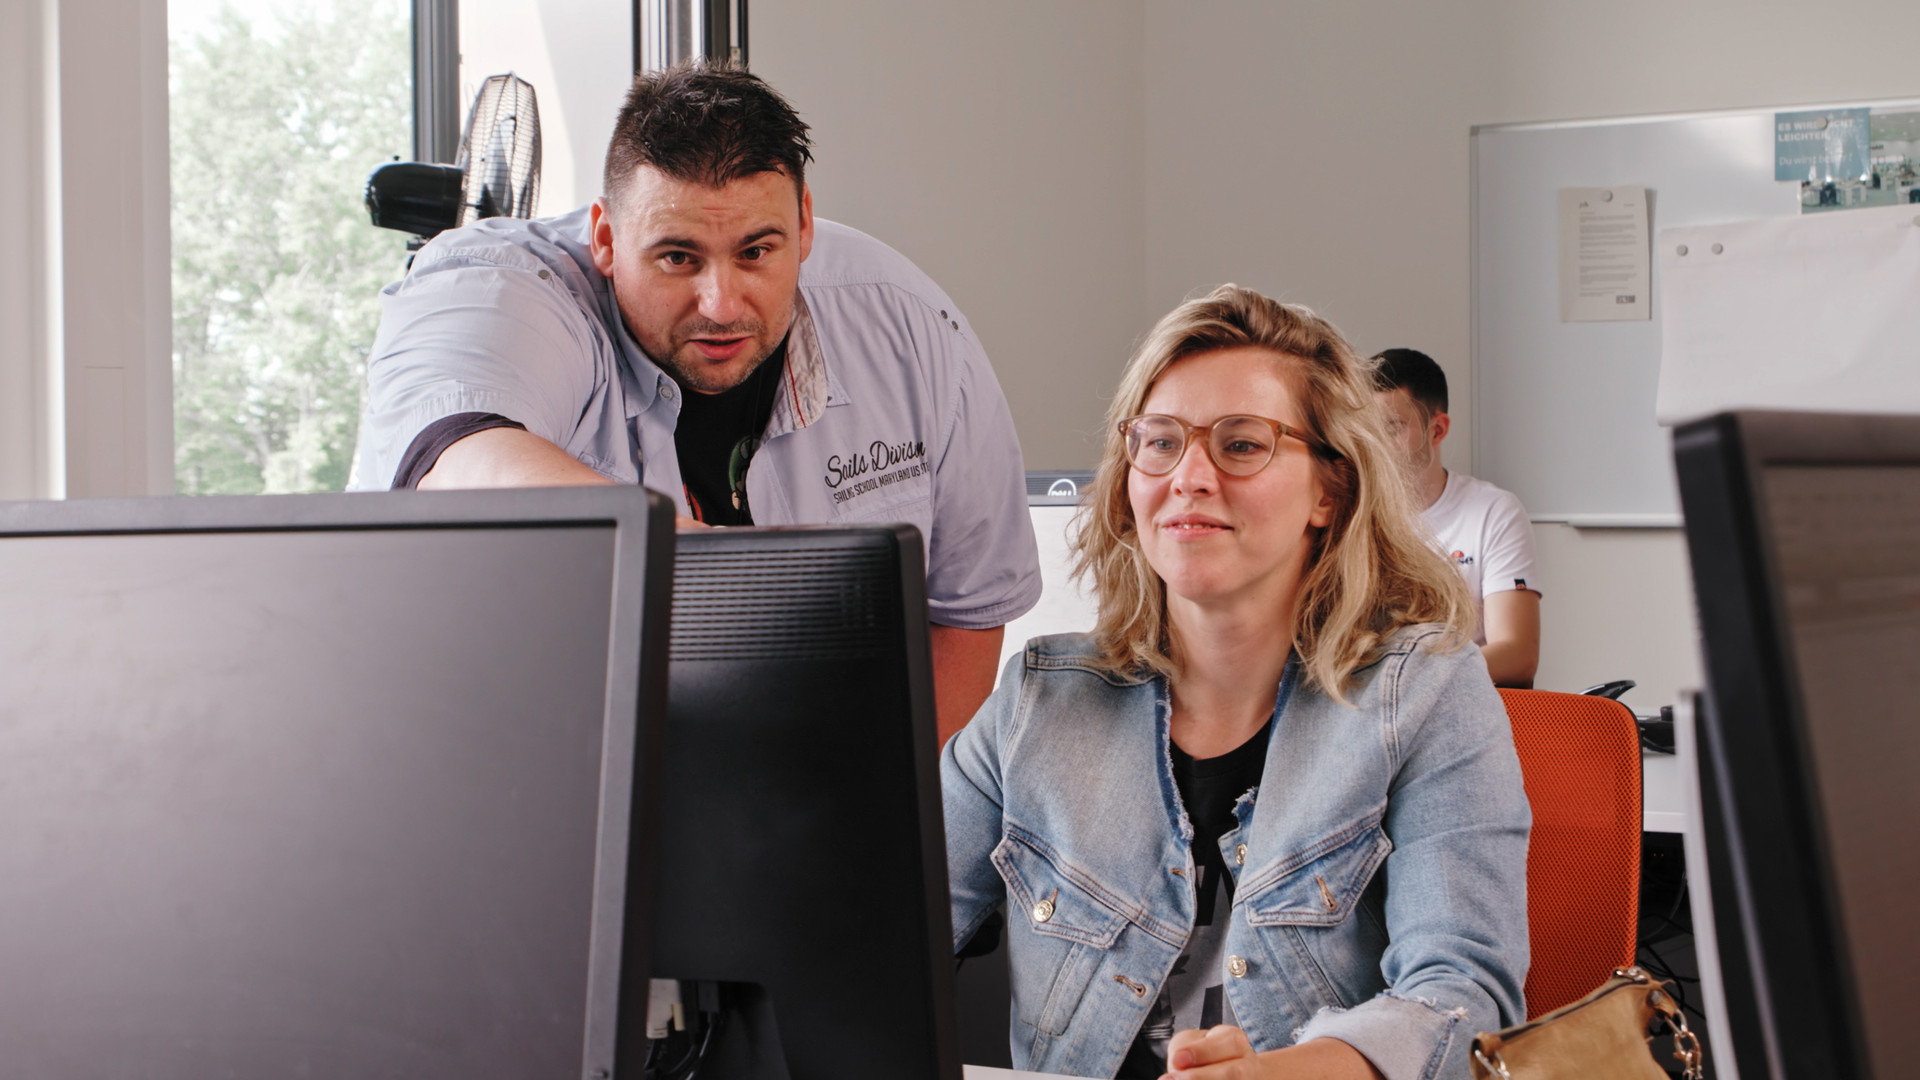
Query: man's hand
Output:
(1512,624)
(964,664)
(1223,1053)
(505,457)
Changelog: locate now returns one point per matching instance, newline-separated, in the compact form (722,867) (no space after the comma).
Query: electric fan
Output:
(497,173)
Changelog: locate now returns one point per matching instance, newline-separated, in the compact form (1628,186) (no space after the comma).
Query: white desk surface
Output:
(982,1072)
(1663,793)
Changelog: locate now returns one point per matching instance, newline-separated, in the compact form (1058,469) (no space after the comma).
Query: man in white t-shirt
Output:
(1483,529)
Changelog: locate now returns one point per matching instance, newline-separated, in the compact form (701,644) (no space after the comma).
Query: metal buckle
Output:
(1495,1067)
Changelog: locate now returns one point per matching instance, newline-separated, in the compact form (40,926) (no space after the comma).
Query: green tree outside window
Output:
(276,121)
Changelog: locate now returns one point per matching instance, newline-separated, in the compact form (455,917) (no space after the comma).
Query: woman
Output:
(1266,820)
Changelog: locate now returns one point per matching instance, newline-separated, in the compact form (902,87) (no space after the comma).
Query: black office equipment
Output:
(802,852)
(1804,535)
(340,786)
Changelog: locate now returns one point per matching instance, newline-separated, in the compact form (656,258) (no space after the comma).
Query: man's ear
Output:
(806,222)
(600,235)
(1442,423)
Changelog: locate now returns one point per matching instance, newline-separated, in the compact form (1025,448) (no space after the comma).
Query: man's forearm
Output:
(1511,664)
(506,457)
(964,663)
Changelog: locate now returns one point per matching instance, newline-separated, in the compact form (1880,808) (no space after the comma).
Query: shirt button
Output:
(1043,911)
(1237,966)
(1240,855)
(666,391)
(545,274)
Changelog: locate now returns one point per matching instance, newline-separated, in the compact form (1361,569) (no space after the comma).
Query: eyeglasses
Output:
(1238,445)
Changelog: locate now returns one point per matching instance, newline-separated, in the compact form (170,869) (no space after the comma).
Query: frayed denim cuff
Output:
(1405,1038)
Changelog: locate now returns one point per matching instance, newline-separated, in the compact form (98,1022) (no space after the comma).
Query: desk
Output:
(1663,792)
(982,1072)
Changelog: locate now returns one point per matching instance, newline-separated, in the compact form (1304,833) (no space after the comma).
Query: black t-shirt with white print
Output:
(1194,995)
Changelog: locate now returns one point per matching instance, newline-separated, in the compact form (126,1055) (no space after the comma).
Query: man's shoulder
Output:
(1471,498)
(557,244)
(843,257)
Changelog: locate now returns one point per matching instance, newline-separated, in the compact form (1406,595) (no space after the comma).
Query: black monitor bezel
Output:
(1795,943)
(614,1039)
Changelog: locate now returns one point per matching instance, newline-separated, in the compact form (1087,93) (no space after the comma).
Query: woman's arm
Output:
(971,797)
(1224,1053)
(1456,901)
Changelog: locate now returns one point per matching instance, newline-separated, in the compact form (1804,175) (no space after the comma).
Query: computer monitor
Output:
(802,889)
(341,786)
(1804,536)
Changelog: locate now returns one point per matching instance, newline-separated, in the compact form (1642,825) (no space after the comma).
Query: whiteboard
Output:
(1563,413)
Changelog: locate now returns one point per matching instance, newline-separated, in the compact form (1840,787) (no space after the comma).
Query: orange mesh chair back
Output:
(1580,760)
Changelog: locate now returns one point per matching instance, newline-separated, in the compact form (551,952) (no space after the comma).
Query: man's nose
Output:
(720,294)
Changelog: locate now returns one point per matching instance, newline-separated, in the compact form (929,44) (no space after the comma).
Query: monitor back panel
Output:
(301,803)
(1804,534)
(801,844)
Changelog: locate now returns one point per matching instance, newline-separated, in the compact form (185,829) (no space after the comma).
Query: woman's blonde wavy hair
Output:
(1371,571)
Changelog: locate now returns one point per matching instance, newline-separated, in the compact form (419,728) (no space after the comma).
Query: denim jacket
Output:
(1381,899)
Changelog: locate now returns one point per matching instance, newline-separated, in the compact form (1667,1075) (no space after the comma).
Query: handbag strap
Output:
(1686,1045)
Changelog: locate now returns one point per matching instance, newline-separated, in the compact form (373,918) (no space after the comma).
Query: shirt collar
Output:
(808,386)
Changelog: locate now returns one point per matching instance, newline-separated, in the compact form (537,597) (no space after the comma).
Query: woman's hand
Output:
(1223,1053)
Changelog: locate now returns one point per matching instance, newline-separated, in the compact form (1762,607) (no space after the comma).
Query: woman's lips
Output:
(1192,527)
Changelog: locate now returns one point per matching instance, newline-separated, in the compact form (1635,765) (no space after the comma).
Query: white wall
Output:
(997,144)
(27,373)
(86,401)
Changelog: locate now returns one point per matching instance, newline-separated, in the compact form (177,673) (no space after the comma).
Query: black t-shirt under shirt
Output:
(1194,995)
(716,437)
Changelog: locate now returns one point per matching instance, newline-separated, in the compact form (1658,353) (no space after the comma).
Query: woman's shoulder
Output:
(1426,651)
(1076,654)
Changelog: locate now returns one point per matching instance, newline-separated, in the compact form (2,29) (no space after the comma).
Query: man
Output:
(697,331)
(1482,528)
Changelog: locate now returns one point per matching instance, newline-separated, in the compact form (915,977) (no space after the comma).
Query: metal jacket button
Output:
(1237,966)
(1240,855)
(1043,910)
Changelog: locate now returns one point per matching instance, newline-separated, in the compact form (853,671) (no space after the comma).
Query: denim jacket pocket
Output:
(1322,885)
(1073,929)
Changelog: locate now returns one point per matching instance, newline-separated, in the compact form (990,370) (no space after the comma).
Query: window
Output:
(278,112)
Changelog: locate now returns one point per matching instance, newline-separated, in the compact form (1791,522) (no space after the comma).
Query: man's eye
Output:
(676,258)
(755,253)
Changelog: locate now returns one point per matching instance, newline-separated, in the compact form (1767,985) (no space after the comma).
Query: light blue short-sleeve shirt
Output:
(888,412)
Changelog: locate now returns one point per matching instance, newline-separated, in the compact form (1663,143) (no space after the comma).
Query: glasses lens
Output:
(1242,445)
(1154,444)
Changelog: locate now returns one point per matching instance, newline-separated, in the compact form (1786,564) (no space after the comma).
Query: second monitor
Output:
(802,884)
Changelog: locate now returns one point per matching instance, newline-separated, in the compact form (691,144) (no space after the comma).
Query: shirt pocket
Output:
(1071,929)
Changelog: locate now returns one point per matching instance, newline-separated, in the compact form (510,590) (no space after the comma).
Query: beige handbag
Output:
(1603,1036)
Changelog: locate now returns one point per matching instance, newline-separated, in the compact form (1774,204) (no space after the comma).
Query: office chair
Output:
(1580,761)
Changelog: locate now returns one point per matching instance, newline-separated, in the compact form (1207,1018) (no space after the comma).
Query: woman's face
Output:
(1218,539)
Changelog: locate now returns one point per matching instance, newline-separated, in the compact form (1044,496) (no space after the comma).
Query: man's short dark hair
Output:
(1416,372)
(708,124)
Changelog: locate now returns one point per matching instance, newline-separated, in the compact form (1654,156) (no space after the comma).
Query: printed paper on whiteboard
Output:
(1811,313)
(1606,272)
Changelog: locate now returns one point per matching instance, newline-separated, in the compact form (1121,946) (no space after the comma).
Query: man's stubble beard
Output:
(708,378)
(702,376)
